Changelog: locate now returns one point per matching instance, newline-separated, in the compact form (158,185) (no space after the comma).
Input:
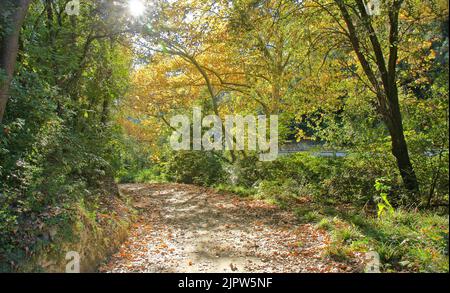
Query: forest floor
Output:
(185,228)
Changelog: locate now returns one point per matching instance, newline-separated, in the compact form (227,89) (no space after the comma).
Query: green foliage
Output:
(382,201)
(239,190)
(58,140)
(307,216)
(197,167)
(300,173)
(324,224)
(133,162)
(348,180)
(405,240)
(281,191)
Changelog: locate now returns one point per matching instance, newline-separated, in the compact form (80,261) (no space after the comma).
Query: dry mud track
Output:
(185,228)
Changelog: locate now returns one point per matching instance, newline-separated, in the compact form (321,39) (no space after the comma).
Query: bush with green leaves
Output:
(306,170)
(196,167)
(58,139)
(278,191)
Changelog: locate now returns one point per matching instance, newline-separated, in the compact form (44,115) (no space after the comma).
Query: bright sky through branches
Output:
(136,8)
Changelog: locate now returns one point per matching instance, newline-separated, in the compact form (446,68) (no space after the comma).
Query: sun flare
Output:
(136,8)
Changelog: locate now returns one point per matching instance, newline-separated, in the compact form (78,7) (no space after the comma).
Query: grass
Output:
(407,241)
(338,252)
(238,190)
(325,224)
(307,216)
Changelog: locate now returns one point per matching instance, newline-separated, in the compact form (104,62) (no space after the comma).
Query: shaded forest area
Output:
(87,90)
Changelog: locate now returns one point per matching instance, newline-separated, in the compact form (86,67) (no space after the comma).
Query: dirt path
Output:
(184,228)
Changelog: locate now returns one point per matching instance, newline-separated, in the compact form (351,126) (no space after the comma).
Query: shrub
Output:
(278,190)
(197,167)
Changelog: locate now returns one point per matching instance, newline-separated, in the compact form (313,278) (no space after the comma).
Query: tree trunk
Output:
(9,45)
(399,147)
(386,88)
(105,111)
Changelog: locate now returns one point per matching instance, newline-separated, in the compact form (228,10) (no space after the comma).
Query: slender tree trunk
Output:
(434,180)
(105,111)
(9,45)
(400,150)
(386,85)
(395,126)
